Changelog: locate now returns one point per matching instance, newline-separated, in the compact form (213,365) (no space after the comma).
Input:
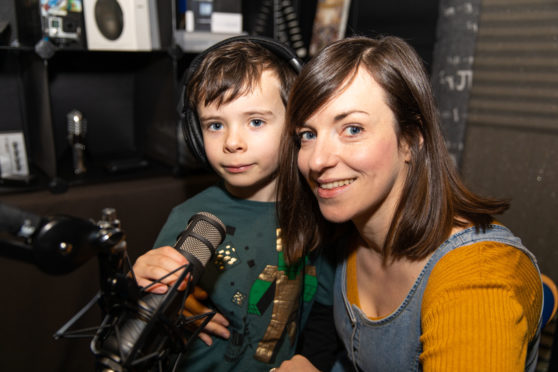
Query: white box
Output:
(217,16)
(13,155)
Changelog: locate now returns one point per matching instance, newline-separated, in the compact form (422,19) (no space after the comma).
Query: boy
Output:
(237,95)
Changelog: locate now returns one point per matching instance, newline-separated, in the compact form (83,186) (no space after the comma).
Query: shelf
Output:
(195,42)
(98,172)
(128,100)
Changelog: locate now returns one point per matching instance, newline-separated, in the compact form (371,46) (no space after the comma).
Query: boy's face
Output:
(242,137)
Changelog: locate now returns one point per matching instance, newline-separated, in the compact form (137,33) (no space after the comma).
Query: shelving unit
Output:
(128,98)
(196,42)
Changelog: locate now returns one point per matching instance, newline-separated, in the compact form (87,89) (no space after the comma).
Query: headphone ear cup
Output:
(189,122)
(194,137)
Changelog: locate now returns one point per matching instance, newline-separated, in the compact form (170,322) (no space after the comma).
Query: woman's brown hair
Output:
(434,199)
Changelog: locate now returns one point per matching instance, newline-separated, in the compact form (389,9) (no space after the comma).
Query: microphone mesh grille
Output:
(203,228)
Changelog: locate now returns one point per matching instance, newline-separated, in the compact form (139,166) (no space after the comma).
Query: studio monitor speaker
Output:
(126,24)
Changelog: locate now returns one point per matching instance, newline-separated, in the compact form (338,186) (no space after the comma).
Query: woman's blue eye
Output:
(256,122)
(353,130)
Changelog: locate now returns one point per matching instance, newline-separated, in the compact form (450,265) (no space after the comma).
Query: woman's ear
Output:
(407,148)
(406,151)
(421,140)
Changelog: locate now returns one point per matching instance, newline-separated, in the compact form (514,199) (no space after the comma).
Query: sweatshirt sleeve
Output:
(480,309)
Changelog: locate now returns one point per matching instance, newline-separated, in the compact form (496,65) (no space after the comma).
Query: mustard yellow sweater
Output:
(480,308)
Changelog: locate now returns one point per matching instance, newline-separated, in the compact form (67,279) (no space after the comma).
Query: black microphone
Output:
(149,329)
(77,128)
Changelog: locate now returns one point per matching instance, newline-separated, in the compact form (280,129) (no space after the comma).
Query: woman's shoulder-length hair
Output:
(433,200)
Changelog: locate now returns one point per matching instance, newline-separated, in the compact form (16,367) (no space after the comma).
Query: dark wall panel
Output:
(414,21)
(511,144)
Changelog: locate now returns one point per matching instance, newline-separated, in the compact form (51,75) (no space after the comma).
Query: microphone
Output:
(77,127)
(147,330)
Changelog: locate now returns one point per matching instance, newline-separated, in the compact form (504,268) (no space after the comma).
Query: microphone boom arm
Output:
(125,341)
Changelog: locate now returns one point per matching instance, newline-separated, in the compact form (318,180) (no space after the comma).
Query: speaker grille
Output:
(109,18)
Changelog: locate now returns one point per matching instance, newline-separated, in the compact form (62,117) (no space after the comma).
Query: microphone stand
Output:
(148,354)
(60,244)
(108,241)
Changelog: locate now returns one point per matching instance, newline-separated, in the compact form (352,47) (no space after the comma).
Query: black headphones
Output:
(189,118)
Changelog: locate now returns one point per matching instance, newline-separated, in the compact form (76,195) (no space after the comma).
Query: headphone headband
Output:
(189,119)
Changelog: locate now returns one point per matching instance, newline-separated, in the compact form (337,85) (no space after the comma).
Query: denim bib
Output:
(392,343)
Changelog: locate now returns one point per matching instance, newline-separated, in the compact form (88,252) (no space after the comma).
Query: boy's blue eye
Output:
(215,126)
(306,135)
(256,122)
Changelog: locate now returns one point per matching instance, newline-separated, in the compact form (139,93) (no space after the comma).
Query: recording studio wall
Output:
(12,99)
(454,54)
(404,18)
(414,22)
(511,139)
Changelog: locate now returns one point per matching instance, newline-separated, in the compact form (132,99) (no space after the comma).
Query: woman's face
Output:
(350,155)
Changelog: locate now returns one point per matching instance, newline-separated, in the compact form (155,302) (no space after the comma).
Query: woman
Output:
(428,280)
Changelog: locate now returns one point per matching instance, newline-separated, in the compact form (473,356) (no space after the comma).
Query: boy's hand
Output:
(218,324)
(297,363)
(157,263)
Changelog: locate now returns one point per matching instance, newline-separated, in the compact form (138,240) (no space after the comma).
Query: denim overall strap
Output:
(393,343)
